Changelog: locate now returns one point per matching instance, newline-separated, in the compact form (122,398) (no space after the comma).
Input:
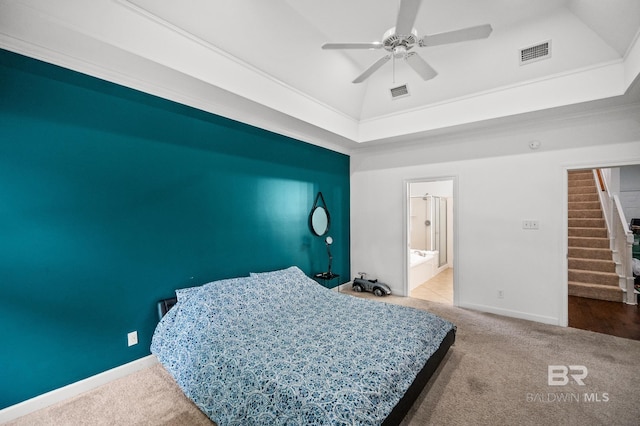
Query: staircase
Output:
(592,271)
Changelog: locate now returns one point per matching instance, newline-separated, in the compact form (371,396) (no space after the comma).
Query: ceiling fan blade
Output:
(465,34)
(373,68)
(407,16)
(331,46)
(420,66)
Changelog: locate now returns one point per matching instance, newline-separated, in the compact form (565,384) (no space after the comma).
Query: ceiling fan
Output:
(399,40)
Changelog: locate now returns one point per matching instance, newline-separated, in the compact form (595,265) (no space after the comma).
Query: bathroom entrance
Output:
(429,237)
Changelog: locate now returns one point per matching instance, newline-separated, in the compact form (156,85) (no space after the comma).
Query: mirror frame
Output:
(317,210)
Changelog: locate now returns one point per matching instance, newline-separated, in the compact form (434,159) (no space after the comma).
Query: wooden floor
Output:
(617,319)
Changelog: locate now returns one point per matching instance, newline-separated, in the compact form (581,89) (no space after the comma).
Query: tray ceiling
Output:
(261,62)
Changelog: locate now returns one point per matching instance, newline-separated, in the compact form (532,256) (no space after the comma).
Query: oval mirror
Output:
(319,221)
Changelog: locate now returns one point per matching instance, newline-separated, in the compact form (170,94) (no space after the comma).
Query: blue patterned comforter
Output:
(278,348)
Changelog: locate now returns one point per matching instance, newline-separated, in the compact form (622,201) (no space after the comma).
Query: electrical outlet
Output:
(500,294)
(132,338)
(530,224)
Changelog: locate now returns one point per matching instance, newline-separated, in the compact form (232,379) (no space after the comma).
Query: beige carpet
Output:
(495,374)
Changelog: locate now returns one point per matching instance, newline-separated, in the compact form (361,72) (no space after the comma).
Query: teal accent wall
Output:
(110,199)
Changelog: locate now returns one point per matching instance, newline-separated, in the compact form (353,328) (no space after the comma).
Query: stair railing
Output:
(623,240)
(606,201)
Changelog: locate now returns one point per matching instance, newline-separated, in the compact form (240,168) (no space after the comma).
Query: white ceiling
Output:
(260,61)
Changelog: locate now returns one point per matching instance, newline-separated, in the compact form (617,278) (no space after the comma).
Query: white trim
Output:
(193,99)
(405,233)
(196,39)
(512,314)
(343,287)
(497,90)
(563,319)
(57,395)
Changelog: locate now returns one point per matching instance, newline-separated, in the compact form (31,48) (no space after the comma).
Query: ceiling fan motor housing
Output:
(399,44)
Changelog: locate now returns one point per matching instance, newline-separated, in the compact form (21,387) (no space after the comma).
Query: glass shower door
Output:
(442,231)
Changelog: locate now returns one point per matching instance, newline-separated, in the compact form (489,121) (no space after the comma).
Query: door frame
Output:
(564,290)
(406,224)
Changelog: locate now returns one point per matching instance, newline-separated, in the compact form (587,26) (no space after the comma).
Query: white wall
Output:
(630,191)
(499,183)
(440,188)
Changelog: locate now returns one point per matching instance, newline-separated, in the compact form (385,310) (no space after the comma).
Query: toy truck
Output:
(374,286)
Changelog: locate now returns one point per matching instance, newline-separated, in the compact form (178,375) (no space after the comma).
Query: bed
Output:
(278,348)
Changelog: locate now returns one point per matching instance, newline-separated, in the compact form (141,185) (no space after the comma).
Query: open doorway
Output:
(601,204)
(430,206)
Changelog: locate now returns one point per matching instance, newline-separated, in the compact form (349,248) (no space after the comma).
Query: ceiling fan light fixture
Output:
(400,52)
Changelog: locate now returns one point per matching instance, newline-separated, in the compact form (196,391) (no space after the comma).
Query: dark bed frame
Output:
(402,407)
(164,305)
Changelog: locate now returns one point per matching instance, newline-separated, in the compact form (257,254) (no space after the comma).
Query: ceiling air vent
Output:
(399,92)
(535,53)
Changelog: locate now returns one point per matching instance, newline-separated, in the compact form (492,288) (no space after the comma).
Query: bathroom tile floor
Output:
(437,289)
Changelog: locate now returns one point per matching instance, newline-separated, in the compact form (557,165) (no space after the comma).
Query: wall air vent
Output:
(399,92)
(535,53)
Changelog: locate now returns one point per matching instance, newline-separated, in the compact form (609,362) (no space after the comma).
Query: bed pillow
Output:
(290,272)
(185,293)
(287,280)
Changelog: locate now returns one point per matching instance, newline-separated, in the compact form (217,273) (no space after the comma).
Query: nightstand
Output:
(325,278)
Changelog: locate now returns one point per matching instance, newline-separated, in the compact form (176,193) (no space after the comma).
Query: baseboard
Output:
(69,391)
(342,287)
(510,313)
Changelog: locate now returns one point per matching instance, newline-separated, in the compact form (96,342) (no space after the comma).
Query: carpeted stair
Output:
(592,272)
